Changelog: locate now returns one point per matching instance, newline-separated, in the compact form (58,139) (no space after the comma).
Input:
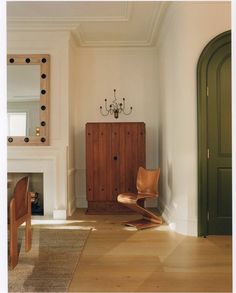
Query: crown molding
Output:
(82,42)
(63,23)
(156,23)
(153,30)
(73,25)
(114,44)
(38,25)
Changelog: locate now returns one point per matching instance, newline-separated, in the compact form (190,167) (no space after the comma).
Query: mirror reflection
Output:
(23,100)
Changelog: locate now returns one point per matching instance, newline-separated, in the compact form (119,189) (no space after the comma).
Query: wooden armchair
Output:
(147,181)
(19,212)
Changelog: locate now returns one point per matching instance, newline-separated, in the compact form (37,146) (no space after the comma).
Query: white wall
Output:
(72,78)
(132,72)
(55,44)
(3,153)
(185,31)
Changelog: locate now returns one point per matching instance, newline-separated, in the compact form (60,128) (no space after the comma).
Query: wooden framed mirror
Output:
(28,93)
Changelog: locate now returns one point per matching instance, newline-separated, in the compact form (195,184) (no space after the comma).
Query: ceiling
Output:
(93,23)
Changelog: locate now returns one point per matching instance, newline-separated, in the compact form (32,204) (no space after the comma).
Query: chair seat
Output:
(132,197)
(127,197)
(147,181)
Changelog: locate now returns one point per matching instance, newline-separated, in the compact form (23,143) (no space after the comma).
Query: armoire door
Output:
(98,163)
(128,153)
(132,154)
(114,151)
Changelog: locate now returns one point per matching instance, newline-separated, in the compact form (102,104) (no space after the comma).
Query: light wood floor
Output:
(118,259)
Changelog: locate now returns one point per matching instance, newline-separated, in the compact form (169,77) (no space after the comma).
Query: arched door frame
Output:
(202,92)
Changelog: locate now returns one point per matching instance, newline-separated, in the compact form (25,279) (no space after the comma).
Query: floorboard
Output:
(120,259)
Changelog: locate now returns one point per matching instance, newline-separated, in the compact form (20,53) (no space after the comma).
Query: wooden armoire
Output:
(114,151)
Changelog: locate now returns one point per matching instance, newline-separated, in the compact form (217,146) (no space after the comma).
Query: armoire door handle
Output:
(115,158)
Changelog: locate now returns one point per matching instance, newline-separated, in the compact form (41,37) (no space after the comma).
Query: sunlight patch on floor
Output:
(43,221)
(159,228)
(64,224)
(65,227)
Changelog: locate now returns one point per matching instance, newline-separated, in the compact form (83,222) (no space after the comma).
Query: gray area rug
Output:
(51,262)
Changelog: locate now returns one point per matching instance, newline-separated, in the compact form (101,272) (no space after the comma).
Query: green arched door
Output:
(214,137)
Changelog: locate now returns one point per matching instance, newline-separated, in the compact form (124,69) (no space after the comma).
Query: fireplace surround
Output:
(35,189)
(47,168)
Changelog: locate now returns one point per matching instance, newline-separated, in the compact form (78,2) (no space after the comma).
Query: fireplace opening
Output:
(35,189)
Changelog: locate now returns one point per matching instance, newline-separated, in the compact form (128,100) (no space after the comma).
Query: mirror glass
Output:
(23,100)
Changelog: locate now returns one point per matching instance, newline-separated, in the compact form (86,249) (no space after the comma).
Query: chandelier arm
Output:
(127,113)
(106,105)
(114,101)
(106,114)
(123,104)
(111,109)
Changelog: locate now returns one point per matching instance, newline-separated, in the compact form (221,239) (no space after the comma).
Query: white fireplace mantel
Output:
(46,160)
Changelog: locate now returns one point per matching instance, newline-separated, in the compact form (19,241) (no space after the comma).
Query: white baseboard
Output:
(81,202)
(59,214)
(71,207)
(71,211)
(180,225)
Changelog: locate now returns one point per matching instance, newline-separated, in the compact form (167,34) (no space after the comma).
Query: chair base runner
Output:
(141,224)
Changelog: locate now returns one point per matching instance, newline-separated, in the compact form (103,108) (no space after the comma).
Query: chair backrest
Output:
(147,181)
(21,197)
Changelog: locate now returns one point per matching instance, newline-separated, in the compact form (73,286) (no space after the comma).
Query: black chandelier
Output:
(115,108)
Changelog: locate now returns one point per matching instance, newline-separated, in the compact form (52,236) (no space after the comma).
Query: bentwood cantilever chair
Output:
(147,182)
(19,212)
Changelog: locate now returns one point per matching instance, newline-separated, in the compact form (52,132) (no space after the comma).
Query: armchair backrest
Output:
(21,197)
(147,181)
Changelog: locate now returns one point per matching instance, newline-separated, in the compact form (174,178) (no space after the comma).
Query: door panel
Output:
(224,183)
(91,139)
(98,146)
(103,183)
(224,109)
(141,146)
(219,168)
(115,161)
(128,157)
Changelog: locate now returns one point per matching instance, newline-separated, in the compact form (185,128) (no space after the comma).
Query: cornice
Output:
(156,24)
(39,25)
(63,23)
(74,26)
